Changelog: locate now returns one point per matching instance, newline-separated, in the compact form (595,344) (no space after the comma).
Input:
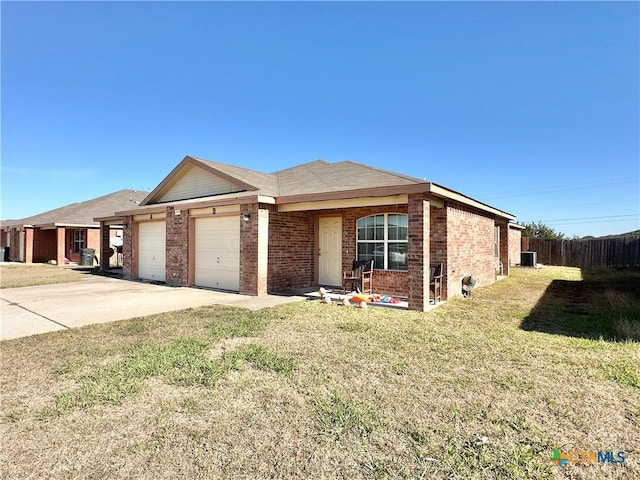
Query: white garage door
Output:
(218,252)
(152,251)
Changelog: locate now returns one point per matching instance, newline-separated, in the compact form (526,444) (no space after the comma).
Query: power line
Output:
(563,188)
(589,218)
(586,223)
(575,205)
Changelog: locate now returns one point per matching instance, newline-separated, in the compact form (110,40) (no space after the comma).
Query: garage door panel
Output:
(152,251)
(217,252)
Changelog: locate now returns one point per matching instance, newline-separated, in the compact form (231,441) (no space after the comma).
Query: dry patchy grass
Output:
(27,275)
(321,391)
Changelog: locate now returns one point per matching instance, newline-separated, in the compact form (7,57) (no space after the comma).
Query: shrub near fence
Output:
(623,251)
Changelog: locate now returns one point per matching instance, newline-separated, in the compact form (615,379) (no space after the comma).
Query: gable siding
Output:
(198,183)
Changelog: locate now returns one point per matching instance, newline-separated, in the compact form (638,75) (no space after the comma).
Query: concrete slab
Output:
(18,322)
(32,310)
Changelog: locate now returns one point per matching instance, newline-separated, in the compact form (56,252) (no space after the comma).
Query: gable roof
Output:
(317,177)
(244,179)
(313,181)
(82,213)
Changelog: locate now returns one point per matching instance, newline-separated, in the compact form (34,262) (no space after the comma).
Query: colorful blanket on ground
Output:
(374,298)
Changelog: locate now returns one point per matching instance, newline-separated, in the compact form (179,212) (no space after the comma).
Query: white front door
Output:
(330,254)
(218,252)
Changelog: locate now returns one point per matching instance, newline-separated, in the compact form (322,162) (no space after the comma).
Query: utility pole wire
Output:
(587,218)
(560,188)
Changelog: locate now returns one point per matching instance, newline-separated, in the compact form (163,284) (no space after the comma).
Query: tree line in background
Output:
(540,230)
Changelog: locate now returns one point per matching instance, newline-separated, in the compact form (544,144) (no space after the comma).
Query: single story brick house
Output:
(62,233)
(216,225)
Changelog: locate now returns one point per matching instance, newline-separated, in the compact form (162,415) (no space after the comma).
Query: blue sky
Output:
(531,107)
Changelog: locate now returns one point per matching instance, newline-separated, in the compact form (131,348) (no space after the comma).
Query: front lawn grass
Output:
(470,390)
(28,275)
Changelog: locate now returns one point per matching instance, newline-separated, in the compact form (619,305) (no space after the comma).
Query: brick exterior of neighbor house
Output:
(105,254)
(51,235)
(280,218)
(129,242)
(44,245)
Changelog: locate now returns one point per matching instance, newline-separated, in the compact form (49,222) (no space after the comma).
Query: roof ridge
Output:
(214,163)
(317,161)
(388,172)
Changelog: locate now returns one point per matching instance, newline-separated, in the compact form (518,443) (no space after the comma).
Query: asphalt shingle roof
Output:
(321,176)
(306,182)
(318,176)
(83,213)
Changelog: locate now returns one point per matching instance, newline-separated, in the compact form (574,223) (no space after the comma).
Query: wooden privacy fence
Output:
(621,251)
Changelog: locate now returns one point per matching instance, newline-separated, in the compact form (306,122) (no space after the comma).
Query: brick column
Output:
(254,250)
(419,252)
(177,248)
(105,239)
(61,242)
(129,260)
(28,245)
(14,245)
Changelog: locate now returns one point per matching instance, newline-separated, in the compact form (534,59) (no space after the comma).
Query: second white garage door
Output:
(218,252)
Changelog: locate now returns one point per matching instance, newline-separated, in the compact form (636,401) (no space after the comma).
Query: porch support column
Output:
(105,239)
(61,233)
(419,251)
(129,255)
(28,245)
(254,248)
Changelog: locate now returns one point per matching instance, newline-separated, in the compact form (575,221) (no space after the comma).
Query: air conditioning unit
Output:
(528,259)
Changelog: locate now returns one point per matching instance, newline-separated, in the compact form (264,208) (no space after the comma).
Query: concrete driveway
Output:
(33,310)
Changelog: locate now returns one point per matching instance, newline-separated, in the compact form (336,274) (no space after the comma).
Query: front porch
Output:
(308,248)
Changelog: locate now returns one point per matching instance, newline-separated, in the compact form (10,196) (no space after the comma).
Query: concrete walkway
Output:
(47,308)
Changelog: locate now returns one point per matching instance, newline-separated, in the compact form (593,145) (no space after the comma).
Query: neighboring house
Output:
(62,233)
(215,225)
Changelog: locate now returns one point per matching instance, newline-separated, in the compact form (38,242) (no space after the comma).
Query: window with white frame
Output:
(383,238)
(78,240)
